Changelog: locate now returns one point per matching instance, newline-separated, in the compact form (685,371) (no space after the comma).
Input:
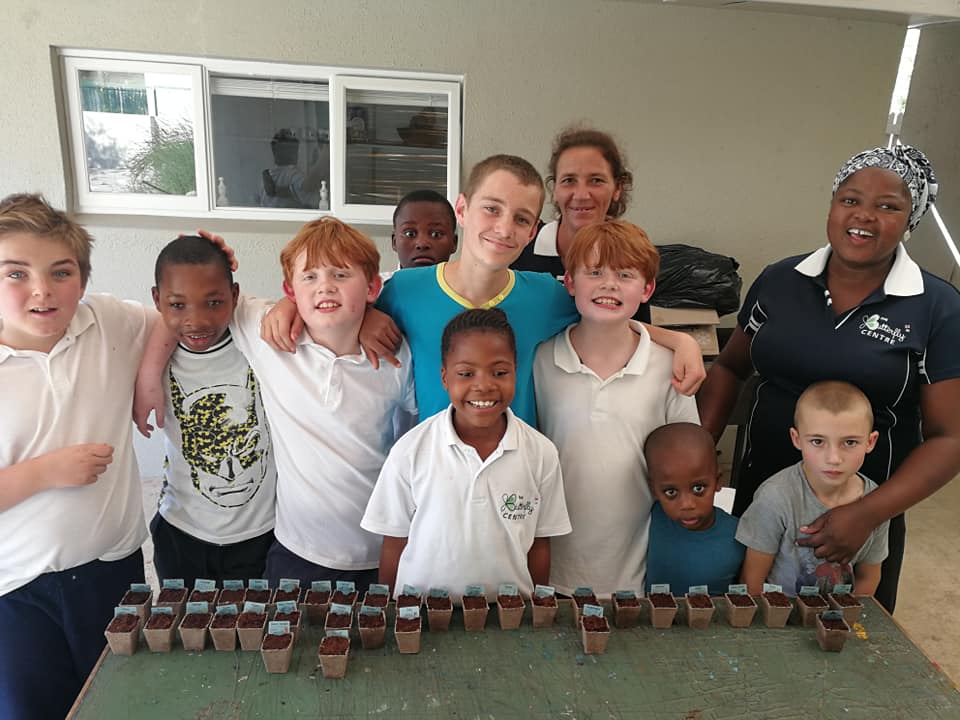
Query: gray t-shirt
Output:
(781,505)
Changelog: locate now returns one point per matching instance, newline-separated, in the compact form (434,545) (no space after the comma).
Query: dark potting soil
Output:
(160,621)
(258,596)
(777,599)
(372,621)
(123,623)
(846,600)
(739,600)
(283,595)
(700,601)
(379,601)
(474,602)
(338,621)
(317,597)
(231,597)
(814,601)
(224,621)
(206,596)
(343,599)
(195,620)
(593,623)
(172,595)
(628,602)
(251,619)
(408,624)
(439,603)
(408,601)
(544,600)
(334,645)
(291,617)
(277,642)
(661,600)
(510,601)
(134,598)
(834,624)
(582,600)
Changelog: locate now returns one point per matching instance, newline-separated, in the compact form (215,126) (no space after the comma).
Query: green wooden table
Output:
(534,674)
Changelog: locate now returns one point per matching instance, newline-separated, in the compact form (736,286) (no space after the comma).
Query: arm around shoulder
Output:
(688,369)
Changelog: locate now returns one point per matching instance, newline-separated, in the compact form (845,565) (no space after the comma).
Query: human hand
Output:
(688,370)
(76,465)
(280,328)
(147,398)
(220,243)
(380,337)
(838,534)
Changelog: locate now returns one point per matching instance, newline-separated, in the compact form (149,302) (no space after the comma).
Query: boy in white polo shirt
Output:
(473,494)
(602,387)
(71,510)
(330,412)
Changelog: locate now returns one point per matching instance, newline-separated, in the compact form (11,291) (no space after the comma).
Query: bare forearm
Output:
(156,354)
(20,482)
(716,399)
(538,561)
(390,553)
(866,578)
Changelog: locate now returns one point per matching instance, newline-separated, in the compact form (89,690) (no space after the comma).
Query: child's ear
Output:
(648,290)
(795,437)
(393,241)
(872,440)
(156,297)
(568,282)
(443,377)
(288,291)
(460,208)
(455,240)
(373,288)
(235,292)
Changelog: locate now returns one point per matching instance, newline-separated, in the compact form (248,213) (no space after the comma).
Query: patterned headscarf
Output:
(909,163)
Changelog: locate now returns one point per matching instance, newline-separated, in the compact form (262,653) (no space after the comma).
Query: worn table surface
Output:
(531,674)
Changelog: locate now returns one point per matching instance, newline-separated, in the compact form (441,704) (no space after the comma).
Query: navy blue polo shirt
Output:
(902,336)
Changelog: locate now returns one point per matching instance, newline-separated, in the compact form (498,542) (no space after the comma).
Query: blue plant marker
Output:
(230,609)
(233,584)
(124,610)
(592,610)
(321,586)
(660,589)
(255,607)
(204,585)
(197,607)
(278,627)
(287,606)
(173,584)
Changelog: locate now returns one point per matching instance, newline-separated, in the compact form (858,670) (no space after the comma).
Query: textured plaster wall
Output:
(931,123)
(734,122)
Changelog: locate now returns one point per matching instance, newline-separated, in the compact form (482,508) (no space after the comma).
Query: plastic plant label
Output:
(161,610)
(832,615)
(204,585)
(661,589)
(339,633)
(140,587)
(737,589)
(278,627)
(411,590)
(347,587)
(233,584)
(809,590)
(230,609)
(507,589)
(583,591)
(842,589)
(173,584)
(255,607)
(439,593)
(698,590)
(287,606)
(321,586)
(625,594)
(338,609)
(124,610)
(770,587)
(474,591)
(544,591)
(258,584)
(370,610)
(377,589)
(289,585)
(592,611)
(197,607)
(410,612)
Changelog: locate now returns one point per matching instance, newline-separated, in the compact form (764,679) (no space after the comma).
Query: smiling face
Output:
(196,302)
(424,234)
(40,288)
(331,300)
(605,294)
(498,220)
(685,482)
(833,445)
(868,216)
(479,373)
(584,187)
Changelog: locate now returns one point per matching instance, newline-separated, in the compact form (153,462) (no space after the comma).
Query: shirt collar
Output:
(904,278)
(509,441)
(566,358)
(546,241)
(82,320)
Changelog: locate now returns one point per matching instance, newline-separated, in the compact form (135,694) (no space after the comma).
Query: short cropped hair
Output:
(619,244)
(581,136)
(331,241)
(33,215)
(493,320)
(523,171)
(191,250)
(430,196)
(682,437)
(834,396)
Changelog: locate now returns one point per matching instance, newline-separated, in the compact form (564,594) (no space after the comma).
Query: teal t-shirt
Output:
(421,304)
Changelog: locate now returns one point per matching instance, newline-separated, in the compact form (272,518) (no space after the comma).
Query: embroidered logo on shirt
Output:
(875,326)
(516,507)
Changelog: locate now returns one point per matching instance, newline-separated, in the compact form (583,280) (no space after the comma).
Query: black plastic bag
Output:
(695,278)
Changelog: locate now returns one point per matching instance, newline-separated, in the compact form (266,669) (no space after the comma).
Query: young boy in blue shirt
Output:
(691,541)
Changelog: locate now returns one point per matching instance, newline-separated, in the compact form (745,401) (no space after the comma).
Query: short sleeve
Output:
(941,361)
(553,518)
(559,309)
(386,301)
(763,524)
(751,315)
(245,326)
(408,395)
(876,549)
(391,507)
(681,408)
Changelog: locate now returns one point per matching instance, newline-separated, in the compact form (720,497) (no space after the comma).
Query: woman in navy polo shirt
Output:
(858,310)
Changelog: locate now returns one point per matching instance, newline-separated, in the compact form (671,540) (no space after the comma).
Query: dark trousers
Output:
(53,635)
(886,593)
(177,554)
(283,563)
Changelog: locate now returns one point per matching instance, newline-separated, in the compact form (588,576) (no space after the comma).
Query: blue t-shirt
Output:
(684,557)
(421,304)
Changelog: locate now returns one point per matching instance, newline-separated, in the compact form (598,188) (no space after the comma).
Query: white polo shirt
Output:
(468,520)
(79,392)
(331,420)
(599,427)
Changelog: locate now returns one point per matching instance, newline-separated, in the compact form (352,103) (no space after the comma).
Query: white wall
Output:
(734,122)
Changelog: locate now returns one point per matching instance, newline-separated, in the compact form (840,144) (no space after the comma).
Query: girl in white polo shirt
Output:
(473,494)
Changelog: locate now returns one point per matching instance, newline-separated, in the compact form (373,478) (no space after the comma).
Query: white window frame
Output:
(203,205)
